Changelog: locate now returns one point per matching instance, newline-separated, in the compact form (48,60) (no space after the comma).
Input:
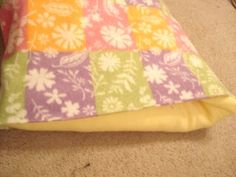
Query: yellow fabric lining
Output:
(180,117)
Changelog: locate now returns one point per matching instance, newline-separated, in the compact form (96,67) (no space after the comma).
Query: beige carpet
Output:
(206,153)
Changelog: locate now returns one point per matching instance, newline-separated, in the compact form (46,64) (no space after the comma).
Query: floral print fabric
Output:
(82,58)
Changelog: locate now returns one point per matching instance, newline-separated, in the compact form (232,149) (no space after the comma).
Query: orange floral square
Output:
(55,25)
(150,28)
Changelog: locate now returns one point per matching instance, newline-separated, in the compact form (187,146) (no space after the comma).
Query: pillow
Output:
(109,65)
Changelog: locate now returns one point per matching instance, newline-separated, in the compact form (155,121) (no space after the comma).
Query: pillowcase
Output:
(109,65)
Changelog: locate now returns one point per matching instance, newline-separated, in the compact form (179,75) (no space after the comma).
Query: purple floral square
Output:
(170,79)
(59,86)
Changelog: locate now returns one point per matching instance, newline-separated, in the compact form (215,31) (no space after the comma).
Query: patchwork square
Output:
(210,83)
(170,79)
(106,27)
(55,25)
(12,102)
(59,86)
(150,29)
(119,82)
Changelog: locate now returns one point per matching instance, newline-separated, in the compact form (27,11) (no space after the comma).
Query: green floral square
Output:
(209,81)
(12,108)
(119,82)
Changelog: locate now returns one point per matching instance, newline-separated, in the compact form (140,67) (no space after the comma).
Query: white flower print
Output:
(54,96)
(89,110)
(145,27)
(18,117)
(43,39)
(15,109)
(109,62)
(164,38)
(120,2)
(70,109)
(40,111)
(172,88)
(116,37)
(82,3)
(147,100)
(155,74)
(40,79)
(51,52)
(13,97)
(46,20)
(96,17)
(172,58)
(61,9)
(149,2)
(186,95)
(68,36)
(112,104)
(196,62)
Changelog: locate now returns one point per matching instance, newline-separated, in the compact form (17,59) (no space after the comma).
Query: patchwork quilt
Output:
(81,59)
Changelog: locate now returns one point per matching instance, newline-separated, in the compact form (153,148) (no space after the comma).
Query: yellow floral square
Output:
(55,25)
(150,29)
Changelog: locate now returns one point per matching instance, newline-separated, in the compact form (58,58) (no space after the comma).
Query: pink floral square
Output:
(106,26)
(59,86)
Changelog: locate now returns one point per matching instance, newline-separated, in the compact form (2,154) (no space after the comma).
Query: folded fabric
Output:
(104,65)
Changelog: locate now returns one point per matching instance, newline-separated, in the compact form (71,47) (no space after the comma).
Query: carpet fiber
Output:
(211,25)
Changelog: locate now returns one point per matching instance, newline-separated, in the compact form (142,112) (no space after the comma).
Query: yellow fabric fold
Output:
(182,117)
